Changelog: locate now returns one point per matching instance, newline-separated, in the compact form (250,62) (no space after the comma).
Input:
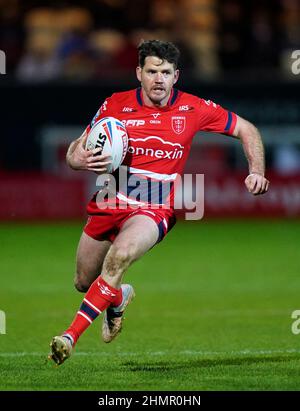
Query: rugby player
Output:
(161,122)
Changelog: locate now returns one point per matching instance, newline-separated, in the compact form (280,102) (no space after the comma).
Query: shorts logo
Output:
(178,124)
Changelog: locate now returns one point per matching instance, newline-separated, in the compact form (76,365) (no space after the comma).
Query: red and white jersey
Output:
(160,138)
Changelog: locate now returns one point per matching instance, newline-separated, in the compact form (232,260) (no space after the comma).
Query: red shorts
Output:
(106,223)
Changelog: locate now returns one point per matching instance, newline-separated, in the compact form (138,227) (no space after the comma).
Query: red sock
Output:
(118,299)
(99,296)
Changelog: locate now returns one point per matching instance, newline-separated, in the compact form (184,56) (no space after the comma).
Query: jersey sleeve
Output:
(214,118)
(105,110)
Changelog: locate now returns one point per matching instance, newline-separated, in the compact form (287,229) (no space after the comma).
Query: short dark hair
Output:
(164,50)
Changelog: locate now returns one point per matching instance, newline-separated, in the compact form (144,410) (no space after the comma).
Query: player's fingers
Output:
(265,186)
(256,184)
(248,182)
(257,189)
(99,163)
(99,159)
(81,151)
(105,157)
(84,138)
(251,183)
(100,170)
(262,186)
(96,151)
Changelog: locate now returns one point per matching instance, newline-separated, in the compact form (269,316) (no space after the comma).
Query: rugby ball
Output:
(109,134)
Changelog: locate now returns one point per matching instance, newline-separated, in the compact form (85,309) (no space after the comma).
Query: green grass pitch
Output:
(212,311)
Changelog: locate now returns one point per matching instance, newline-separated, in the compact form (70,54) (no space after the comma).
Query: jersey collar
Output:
(171,101)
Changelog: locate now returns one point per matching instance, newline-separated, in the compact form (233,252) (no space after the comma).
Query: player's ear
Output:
(139,73)
(176,76)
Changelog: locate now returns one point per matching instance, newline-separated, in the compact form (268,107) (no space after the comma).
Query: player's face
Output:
(157,78)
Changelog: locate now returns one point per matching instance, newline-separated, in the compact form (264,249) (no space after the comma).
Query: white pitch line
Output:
(157,353)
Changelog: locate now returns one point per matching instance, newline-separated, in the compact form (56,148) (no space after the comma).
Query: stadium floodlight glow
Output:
(2,322)
(2,62)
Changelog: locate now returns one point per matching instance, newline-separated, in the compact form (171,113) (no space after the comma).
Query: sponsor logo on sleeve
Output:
(209,102)
(184,108)
(127,109)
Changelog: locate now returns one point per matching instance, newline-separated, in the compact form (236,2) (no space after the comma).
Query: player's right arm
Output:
(78,158)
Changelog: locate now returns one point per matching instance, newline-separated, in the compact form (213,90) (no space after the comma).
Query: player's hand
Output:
(257,184)
(91,160)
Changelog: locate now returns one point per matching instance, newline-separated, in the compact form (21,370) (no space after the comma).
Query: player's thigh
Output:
(137,235)
(90,256)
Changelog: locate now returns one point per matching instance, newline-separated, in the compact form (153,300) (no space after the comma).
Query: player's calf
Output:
(116,262)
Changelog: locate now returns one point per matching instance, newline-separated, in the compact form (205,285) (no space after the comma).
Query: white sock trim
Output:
(85,316)
(92,305)
(69,337)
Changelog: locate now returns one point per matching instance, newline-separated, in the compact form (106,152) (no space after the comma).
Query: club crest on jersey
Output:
(178,124)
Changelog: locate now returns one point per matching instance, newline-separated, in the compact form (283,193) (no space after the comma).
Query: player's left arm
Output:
(250,137)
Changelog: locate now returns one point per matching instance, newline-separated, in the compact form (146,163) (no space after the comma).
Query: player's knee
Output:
(81,284)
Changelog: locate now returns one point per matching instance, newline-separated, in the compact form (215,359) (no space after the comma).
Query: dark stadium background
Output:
(62,60)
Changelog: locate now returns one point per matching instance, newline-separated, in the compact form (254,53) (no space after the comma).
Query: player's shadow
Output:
(203,363)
